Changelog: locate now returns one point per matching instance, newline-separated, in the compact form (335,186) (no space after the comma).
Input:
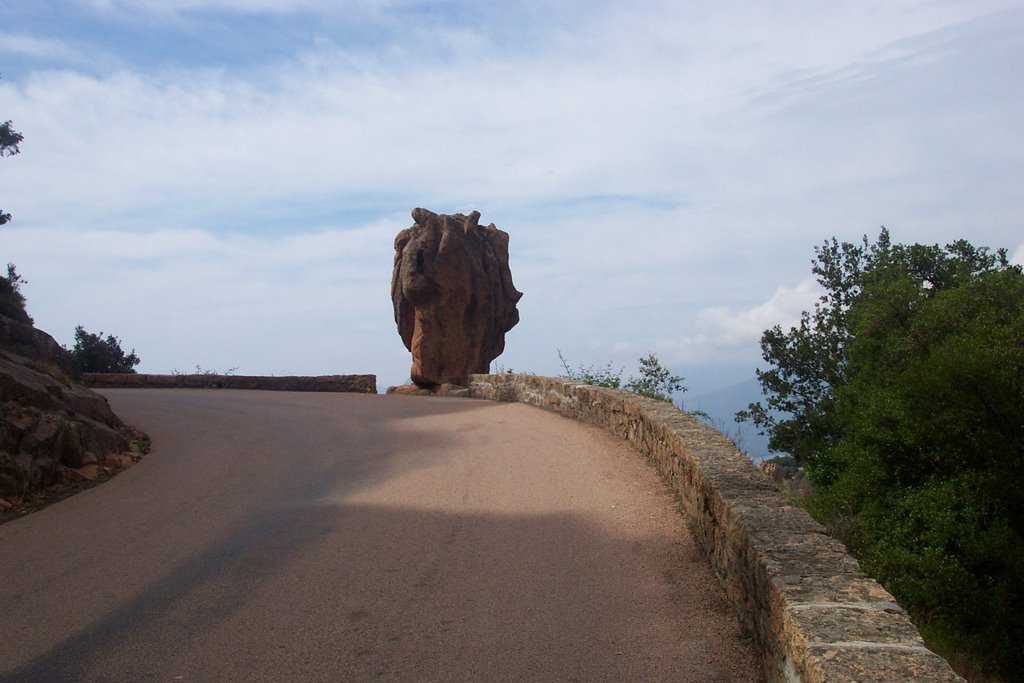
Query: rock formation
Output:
(774,472)
(453,296)
(54,430)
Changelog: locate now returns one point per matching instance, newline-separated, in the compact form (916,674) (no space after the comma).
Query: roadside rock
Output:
(453,296)
(52,427)
(26,341)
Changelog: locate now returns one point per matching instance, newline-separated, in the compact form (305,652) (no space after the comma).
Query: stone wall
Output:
(813,614)
(360,384)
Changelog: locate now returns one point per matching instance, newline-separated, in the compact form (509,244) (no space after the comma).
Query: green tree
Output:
(655,381)
(10,140)
(12,301)
(93,353)
(903,395)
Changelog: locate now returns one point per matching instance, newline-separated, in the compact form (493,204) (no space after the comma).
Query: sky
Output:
(218,183)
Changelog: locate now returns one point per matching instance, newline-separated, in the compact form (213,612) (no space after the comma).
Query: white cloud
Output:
(720,333)
(1017,256)
(305,303)
(39,48)
(593,112)
(239,6)
(723,327)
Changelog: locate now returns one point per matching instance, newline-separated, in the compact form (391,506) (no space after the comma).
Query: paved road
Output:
(340,537)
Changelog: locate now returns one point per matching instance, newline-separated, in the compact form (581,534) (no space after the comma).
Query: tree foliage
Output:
(93,353)
(12,301)
(902,394)
(605,377)
(655,381)
(10,140)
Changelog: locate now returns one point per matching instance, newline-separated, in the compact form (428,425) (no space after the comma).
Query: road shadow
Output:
(357,592)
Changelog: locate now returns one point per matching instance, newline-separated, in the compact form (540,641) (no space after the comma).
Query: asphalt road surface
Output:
(276,536)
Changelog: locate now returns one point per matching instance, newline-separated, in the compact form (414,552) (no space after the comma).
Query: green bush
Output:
(93,353)
(12,301)
(599,377)
(655,381)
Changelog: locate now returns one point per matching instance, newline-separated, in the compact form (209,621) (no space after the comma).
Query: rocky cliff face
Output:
(24,340)
(453,296)
(53,430)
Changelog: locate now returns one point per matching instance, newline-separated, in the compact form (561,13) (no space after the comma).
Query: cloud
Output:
(724,327)
(237,6)
(302,303)
(38,48)
(721,333)
(589,113)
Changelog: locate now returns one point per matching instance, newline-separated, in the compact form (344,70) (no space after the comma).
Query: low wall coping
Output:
(361,384)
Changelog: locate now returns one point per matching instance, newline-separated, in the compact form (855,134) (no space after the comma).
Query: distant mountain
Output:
(722,406)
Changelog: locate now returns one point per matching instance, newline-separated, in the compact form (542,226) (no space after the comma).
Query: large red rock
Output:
(52,426)
(453,296)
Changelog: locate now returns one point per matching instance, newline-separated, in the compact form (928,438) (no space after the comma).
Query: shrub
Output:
(12,301)
(655,381)
(93,353)
(599,377)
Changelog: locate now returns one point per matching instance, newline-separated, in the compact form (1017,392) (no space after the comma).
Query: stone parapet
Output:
(813,614)
(360,384)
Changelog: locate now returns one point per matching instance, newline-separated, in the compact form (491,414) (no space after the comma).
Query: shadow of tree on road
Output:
(370,593)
